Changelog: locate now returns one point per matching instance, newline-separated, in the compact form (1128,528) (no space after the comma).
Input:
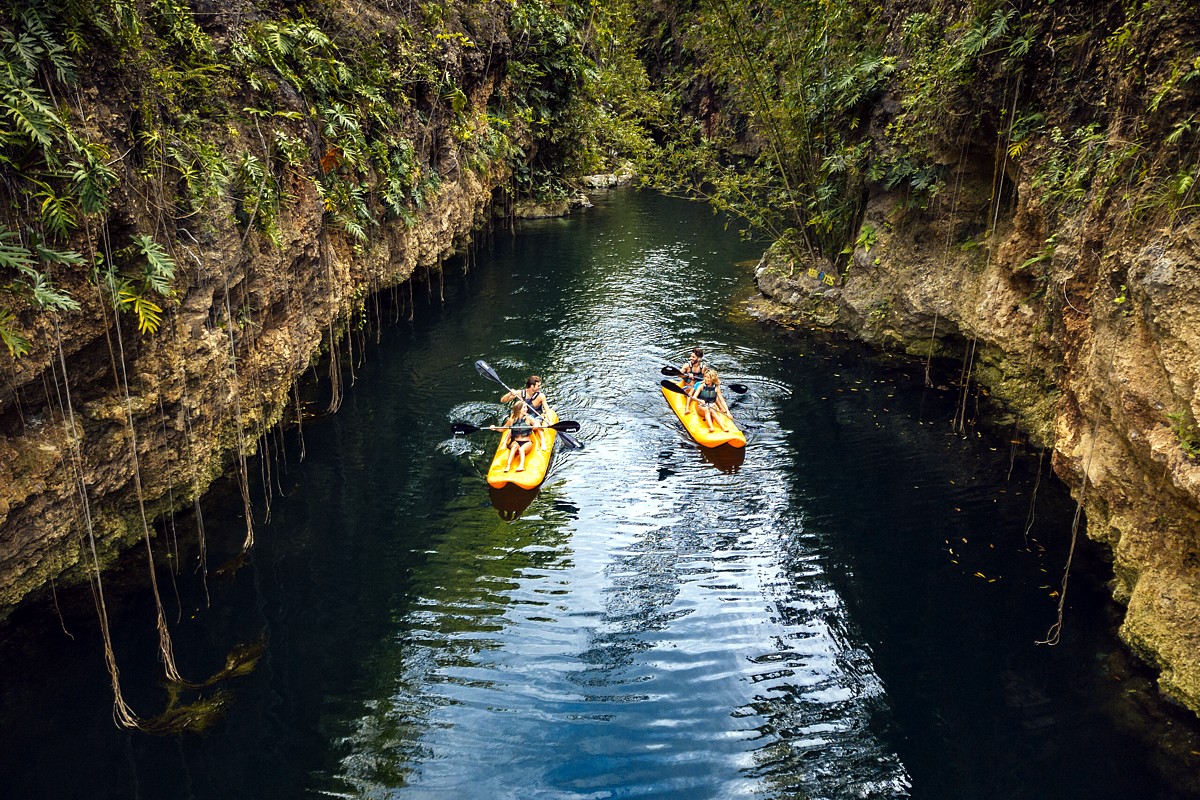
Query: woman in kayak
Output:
(693,371)
(708,398)
(522,429)
(534,399)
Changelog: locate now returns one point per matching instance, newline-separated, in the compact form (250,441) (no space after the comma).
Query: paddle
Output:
(462,428)
(737,388)
(486,371)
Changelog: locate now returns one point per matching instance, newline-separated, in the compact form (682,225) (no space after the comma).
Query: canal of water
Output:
(850,611)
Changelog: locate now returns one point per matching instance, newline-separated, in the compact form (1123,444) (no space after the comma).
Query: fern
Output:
(17,344)
(48,47)
(68,258)
(15,256)
(57,213)
(159,268)
(149,313)
(92,178)
(44,295)
(31,114)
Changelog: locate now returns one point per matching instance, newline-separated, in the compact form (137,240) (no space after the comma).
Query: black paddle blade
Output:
(484,369)
(567,426)
(570,441)
(463,428)
(671,372)
(739,388)
(672,386)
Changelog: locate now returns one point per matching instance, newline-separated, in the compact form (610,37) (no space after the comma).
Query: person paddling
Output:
(534,399)
(708,398)
(693,371)
(521,429)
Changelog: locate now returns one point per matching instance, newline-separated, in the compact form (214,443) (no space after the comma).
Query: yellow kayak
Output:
(698,428)
(536,463)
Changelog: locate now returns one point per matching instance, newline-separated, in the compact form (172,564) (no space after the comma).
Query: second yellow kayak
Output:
(698,428)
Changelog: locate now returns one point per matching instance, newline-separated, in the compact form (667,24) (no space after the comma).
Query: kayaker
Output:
(521,432)
(693,371)
(708,398)
(533,397)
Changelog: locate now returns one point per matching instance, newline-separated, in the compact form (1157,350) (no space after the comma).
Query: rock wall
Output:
(104,429)
(188,398)
(1096,346)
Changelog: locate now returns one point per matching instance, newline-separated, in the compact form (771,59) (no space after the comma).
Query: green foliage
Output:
(867,236)
(32,262)
(141,271)
(17,344)
(257,195)
(794,82)
(1068,164)
(947,60)
(48,169)
(1042,256)
(1185,433)
(548,70)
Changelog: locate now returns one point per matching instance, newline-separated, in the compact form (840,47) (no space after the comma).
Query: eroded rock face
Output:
(189,405)
(103,430)
(1096,346)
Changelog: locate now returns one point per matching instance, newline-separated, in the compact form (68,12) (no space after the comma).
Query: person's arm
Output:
(508,396)
(722,406)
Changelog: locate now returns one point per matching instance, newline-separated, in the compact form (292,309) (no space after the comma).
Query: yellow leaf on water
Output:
(1054,594)
(980,575)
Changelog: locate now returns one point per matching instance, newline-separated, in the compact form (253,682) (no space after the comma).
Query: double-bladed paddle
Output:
(672,386)
(463,428)
(737,388)
(484,369)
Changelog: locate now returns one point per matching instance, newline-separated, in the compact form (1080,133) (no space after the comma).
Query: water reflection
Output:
(726,458)
(511,501)
(676,636)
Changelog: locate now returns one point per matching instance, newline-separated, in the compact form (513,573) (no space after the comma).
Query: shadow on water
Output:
(511,501)
(725,457)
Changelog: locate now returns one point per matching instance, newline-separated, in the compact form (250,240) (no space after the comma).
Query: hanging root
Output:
(1054,634)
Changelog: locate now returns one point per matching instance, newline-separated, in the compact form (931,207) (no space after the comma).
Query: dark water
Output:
(851,612)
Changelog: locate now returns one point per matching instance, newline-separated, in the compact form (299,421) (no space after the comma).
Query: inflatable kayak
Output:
(698,428)
(536,463)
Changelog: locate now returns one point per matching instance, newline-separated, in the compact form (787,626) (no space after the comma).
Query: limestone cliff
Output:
(1062,264)
(289,165)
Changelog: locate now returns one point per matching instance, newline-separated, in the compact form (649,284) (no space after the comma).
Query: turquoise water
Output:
(849,611)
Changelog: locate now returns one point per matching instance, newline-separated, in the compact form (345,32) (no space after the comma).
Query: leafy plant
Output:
(1186,433)
(17,344)
(148,272)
